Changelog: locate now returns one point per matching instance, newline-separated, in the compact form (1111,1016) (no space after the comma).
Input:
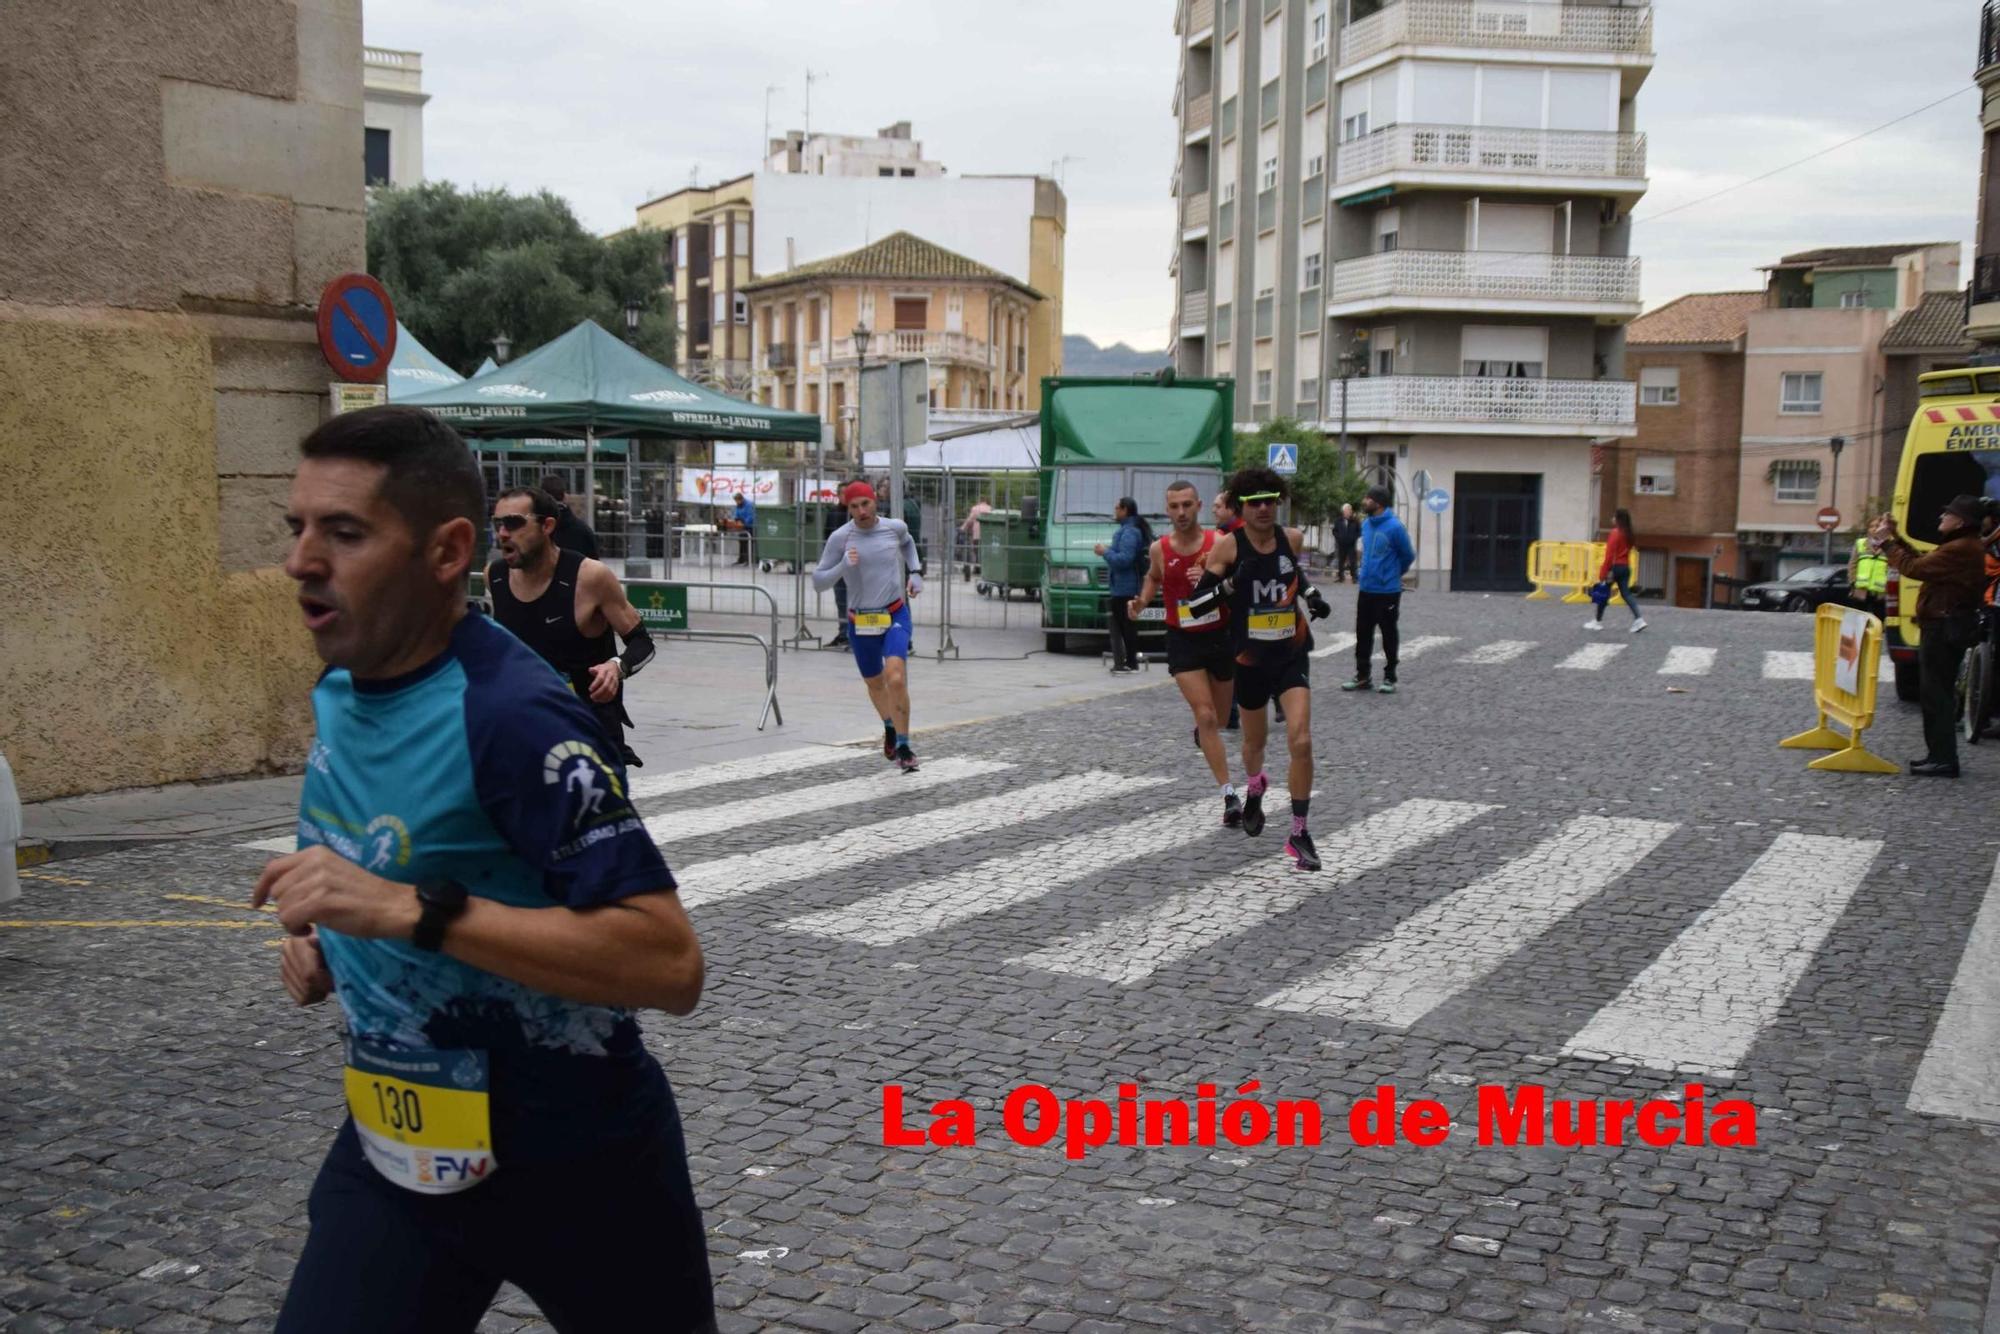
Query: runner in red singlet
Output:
(1199,654)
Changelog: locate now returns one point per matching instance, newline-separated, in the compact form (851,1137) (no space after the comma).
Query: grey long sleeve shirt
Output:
(888,559)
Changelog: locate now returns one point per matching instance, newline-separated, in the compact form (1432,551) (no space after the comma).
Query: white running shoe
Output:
(1638,625)
(1593,625)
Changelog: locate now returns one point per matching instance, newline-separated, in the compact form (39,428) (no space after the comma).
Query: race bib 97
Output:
(1273,625)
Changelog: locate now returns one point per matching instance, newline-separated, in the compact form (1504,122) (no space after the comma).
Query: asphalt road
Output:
(1595,876)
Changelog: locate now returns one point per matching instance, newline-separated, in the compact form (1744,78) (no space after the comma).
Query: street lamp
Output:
(632,312)
(861,336)
(1836,444)
(502,345)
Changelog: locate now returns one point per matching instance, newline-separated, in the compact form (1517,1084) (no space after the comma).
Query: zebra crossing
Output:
(1699,1005)
(1678,660)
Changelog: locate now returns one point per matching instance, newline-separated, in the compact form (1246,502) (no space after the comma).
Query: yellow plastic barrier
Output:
(1572,566)
(1846,643)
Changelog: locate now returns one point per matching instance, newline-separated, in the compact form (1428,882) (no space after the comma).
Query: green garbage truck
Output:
(1106,438)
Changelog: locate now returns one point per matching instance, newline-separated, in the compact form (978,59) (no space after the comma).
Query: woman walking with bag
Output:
(1618,570)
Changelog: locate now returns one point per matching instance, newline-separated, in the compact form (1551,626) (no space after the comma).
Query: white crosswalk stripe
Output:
(1960,1074)
(1340,643)
(1791,665)
(283,844)
(725,878)
(646,786)
(1784,665)
(887,783)
(1133,947)
(1422,644)
(1438,952)
(1592,657)
(1499,651)
(1015,877)
(1684,660)
(1700,1005)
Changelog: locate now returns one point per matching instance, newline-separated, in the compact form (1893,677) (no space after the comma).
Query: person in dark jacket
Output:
(1953,579)
(1346,537)
(572,533)
(1126,557)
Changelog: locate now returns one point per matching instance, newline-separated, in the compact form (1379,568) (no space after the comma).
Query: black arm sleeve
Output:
(638,651)
(1209,593)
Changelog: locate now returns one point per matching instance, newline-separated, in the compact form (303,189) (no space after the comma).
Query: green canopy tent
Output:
(487,365)
(415,369)
(587,382)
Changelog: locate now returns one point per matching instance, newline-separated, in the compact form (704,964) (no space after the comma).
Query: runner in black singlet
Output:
(1255,570)
(572,606)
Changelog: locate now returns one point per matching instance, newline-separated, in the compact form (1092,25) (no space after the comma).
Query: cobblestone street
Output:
(1567,861)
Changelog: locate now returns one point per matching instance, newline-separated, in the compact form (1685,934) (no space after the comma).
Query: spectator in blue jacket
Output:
(746,519)
(1127,557)
(1386,556)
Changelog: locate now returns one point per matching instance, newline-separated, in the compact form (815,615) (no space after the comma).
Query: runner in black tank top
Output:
(1256,569)
(578,589)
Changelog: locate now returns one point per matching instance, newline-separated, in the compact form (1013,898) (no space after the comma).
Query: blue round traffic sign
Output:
(357,327)
(1437,500)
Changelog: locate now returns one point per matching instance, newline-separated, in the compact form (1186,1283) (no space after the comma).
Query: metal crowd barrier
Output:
(637,589)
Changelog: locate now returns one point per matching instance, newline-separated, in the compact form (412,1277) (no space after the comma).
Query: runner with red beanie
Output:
(877,558)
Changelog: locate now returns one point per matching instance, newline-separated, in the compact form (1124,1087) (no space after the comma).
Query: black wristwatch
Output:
(442,901)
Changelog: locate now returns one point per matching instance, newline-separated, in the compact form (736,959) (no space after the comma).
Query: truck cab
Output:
(1107,438)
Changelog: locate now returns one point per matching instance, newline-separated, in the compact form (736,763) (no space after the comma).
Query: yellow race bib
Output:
(423,1116)
(871,622)
(1274,625)
(1187,620)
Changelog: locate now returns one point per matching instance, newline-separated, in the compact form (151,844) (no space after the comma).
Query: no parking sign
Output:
(357,328)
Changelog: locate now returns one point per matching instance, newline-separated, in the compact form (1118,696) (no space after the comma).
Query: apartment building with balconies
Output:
(1412,219)
(1982,298)
(709,231)
(972,322)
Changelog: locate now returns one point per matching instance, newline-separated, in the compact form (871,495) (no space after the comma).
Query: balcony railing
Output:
(1487,274)
(1228,129)
(1512,24)
(1194,211)
(1479,149)
(1473,401)
(1985,279)
(780,357)
(1267,209)
(1199,111)
(1231,17)
(1194,310)
(935,344)
(1200,16)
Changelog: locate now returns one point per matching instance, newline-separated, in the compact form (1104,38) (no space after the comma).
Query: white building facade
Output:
(1411,220)
(392,114)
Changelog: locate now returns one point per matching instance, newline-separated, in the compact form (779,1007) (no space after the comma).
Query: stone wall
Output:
(182,178)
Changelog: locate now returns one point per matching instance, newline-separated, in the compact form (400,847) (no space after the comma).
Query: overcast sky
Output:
(615,101)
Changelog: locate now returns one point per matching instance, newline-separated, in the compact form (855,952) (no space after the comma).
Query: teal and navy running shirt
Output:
(480,767)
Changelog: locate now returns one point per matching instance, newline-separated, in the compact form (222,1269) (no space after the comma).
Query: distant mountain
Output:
(1083,357)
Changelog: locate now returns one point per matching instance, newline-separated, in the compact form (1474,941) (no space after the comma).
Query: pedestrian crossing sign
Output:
(1283,459)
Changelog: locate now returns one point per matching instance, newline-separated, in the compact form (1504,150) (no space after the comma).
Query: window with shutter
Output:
(912,312)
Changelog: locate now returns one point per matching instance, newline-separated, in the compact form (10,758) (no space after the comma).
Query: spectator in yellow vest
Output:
(1868,572)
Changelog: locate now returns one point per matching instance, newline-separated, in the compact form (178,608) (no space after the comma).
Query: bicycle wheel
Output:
(1971,692)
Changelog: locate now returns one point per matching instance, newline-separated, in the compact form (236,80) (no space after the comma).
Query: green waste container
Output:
(1010,554)
(778,540)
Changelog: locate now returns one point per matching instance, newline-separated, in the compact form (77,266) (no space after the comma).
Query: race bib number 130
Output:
(423,1116)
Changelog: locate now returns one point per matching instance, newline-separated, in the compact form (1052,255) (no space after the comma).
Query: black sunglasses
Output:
(513,523)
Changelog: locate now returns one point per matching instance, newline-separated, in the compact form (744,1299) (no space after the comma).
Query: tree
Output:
(1321,485)
(463,267)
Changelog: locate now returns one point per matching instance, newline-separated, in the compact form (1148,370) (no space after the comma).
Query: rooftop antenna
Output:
(764,148)
(1059,169)
(812,77)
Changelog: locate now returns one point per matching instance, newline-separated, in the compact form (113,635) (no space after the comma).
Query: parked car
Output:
(1803,590)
